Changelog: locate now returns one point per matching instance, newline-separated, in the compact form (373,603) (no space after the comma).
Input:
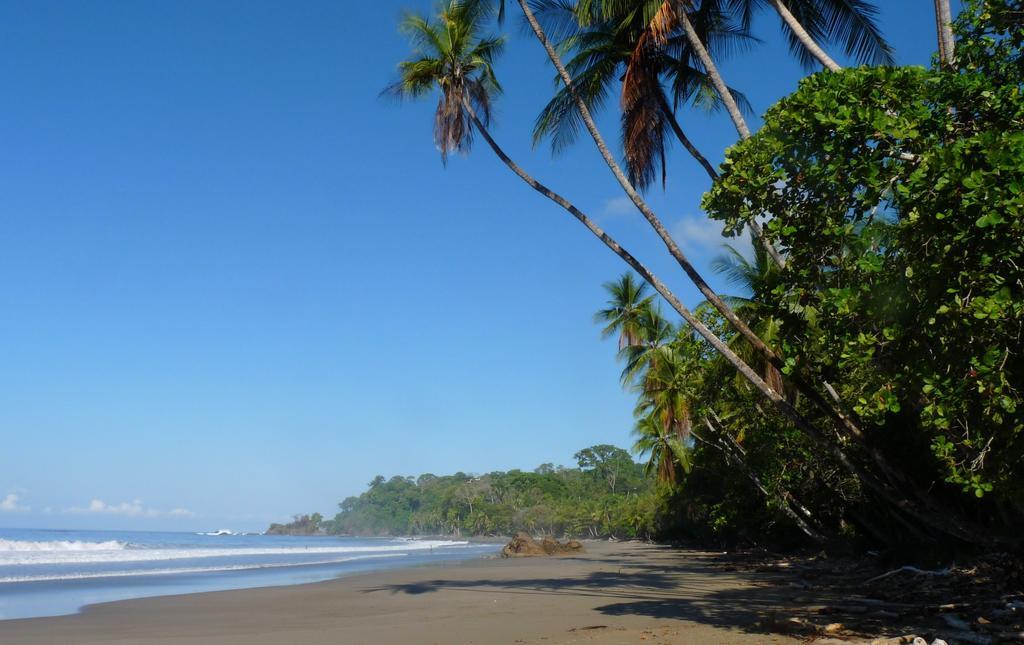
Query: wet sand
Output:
(616,593)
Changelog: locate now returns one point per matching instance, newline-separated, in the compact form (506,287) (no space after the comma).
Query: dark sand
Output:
(616,593)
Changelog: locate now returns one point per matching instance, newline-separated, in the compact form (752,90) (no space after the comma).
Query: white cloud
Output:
(134,508)
(697,233)
(11,504)
(618,207)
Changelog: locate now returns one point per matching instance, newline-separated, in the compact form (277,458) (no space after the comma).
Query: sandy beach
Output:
(616,593)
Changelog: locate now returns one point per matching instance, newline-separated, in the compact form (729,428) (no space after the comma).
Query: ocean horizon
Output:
(51,572)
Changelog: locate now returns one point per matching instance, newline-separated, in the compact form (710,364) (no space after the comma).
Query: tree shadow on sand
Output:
(685,587)
(669,584)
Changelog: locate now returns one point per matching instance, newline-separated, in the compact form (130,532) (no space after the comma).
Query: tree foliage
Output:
(898,194)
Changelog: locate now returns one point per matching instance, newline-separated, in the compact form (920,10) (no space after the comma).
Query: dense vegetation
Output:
(865,382)
(300,525)
(606,495)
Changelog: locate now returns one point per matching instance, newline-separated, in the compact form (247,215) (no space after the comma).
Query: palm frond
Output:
(560,120)
(737,270)
(558,18)
(849,23)
(853,23)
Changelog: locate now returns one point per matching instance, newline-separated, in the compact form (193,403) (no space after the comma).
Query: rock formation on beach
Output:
(523,545)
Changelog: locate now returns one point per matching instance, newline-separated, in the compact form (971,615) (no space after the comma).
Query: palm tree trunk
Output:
(804,37)
(940,36)
(944,26)
(711,70)
(888,494)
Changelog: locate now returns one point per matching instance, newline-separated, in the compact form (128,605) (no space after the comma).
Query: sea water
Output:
(52,572)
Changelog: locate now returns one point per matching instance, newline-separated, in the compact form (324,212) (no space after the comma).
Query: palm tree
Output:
(667,389)
(666,378)
(666,454)
(627,304)
(621,50)
(450,56)
(755,277)
(655,331)
(653,51)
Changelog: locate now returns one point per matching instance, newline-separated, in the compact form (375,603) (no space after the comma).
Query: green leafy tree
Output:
(897,194)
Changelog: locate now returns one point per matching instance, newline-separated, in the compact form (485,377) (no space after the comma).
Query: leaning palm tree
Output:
(848,23)
(451,57)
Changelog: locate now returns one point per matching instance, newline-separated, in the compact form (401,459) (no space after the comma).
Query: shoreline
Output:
(64,577)
(617,592)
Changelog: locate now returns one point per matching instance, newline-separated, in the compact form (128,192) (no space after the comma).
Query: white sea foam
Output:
(111,552)
(163,572)
(22,546)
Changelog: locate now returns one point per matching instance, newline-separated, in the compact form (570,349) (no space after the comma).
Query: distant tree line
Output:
(300,525)
(606,495)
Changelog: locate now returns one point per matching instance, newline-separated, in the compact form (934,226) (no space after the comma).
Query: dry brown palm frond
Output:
(644,125)
(643,119)
(663,23)
(653,39)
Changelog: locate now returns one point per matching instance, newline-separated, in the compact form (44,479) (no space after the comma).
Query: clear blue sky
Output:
(235,283)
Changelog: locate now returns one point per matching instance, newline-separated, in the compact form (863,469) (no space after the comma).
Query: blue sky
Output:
(235,284)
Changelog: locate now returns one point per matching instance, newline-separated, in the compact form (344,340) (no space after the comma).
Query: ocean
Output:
(54,572)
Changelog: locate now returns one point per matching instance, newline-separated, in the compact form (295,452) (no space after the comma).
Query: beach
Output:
(615,593)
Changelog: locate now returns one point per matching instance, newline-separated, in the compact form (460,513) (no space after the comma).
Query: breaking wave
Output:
(22,546)
(39,553)
(175,571)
